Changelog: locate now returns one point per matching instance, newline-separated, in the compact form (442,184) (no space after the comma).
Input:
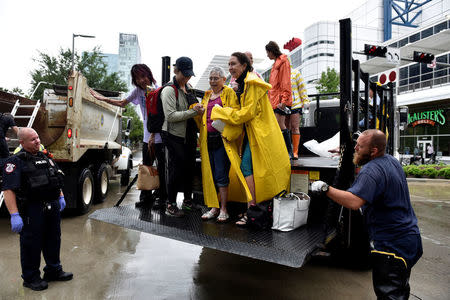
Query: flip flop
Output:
(223,217)
(209,215)
(242,221)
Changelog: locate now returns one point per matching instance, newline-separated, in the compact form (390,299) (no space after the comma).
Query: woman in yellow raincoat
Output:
(265,160)
(214,150)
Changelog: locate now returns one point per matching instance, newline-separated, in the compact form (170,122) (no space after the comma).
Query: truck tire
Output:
(125,177)
(101,183)
(85,191)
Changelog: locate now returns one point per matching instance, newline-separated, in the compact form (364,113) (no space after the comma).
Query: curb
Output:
(411,179)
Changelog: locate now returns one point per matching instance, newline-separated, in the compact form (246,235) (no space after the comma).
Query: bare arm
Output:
(10,201)
(345,198)
(98,96)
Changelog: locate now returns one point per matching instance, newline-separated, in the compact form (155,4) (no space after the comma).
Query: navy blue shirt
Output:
(12,171)
(388,211)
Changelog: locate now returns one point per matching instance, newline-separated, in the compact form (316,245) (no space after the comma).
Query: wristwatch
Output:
(325,187)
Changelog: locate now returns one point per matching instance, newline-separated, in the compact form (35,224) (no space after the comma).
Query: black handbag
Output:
(260,216)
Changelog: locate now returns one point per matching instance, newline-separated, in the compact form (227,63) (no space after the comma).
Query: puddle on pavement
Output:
(438,190)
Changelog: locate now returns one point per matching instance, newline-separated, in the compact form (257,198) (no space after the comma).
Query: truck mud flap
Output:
(285,248)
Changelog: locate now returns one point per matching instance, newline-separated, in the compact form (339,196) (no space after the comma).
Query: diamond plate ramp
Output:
(284,248)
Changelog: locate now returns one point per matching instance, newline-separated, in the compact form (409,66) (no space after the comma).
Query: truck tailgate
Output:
(285,248)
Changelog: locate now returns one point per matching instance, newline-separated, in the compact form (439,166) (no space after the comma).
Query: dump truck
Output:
(83,134)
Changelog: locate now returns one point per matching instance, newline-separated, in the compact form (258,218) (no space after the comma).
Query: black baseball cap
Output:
(185,65)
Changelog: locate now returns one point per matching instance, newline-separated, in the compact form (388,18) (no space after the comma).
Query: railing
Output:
(425,84)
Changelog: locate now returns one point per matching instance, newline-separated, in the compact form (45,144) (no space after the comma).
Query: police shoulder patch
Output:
(9,168)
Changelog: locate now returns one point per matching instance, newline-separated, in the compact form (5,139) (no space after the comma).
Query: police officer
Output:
(6,122)
(382,192)
(32,188)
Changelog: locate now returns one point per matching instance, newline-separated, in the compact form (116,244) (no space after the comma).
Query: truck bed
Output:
(314,162)
(286,248)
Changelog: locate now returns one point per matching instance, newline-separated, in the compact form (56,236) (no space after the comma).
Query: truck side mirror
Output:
(127,131)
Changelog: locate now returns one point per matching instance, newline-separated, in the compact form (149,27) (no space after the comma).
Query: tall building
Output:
(129,54)
(422,25)
(111,61)
(372,22)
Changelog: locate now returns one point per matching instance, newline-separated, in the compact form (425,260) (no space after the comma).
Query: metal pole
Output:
(355,102)
(165,70)
(73,46)
(35,89)
(366,96)
(391,119)
(73,49)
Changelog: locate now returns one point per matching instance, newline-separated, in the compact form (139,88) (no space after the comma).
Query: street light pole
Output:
(73,46)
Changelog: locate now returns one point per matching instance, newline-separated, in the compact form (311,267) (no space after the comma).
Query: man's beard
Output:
(361,159)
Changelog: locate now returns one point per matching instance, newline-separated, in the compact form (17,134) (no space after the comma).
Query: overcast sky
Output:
(196,28)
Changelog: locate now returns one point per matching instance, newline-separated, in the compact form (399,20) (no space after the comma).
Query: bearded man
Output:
(381,190)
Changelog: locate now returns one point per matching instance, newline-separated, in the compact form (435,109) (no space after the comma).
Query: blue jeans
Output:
(220,166)
(246,164)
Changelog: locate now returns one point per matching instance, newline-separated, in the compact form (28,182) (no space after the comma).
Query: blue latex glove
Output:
(16,222)
(62,203)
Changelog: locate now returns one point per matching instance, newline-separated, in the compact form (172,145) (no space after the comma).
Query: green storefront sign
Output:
(430,117)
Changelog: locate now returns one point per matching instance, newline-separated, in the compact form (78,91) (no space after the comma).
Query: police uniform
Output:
(37,182)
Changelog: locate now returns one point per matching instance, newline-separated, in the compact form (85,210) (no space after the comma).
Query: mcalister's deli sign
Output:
(430,117)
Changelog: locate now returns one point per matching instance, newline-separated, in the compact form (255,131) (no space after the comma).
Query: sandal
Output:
(209,215)
(223,217)
(242,221)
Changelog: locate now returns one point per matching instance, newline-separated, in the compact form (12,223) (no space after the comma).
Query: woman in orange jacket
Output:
(280,94)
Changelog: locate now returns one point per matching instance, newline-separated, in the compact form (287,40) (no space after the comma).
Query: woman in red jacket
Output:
(280,94)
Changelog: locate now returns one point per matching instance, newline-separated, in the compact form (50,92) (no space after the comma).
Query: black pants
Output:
(160,157)
(146,160)
(180,163)
(41,233)
(390,277)
(392,264)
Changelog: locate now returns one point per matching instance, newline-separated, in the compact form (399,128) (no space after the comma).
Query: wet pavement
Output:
(110,262)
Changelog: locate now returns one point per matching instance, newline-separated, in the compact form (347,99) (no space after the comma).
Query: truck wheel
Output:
(125,177)
(85,191)
(101,183)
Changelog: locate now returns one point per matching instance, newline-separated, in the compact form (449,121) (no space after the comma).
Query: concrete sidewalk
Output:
(433,180)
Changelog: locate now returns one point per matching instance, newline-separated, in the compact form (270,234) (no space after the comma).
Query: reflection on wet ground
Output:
(436,191)
(111,262)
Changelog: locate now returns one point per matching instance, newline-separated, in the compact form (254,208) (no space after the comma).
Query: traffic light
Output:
(423,57)
(373,50)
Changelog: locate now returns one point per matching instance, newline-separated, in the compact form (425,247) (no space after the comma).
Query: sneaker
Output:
(36,285)
(174,211)
(188,204)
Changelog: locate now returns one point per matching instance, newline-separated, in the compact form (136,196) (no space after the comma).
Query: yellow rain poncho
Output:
(271,164)
(238,188)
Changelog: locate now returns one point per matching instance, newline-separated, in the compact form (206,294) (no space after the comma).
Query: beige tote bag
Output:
(148,178)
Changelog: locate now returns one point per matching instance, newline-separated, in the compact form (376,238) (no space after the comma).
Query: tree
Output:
(137,131)
(328,82)
(16,91)
(55,70)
